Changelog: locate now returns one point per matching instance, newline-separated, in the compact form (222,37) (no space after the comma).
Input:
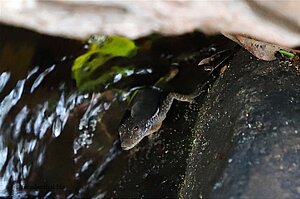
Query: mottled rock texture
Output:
(273,21)
(247,141)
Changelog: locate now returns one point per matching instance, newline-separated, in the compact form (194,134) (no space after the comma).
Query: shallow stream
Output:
(56,141)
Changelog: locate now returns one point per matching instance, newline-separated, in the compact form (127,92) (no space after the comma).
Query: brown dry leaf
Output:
(261,50)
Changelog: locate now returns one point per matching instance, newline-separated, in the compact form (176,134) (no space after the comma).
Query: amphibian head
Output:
(133,131)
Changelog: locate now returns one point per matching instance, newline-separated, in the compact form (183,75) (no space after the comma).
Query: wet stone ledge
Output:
(246,139)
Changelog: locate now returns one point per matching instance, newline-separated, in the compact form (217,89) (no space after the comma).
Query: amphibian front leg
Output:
(168,101)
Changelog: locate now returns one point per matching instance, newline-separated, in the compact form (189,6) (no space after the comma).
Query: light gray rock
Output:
(276,22)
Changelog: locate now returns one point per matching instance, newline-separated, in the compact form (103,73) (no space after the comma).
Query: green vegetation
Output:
(101,49)
(286,53)
(112,76)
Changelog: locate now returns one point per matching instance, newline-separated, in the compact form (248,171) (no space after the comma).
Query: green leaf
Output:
(286,53)
(101,49)
(115,46)
(114,75)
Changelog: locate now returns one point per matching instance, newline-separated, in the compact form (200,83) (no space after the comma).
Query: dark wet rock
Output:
(156,167)
(246,140)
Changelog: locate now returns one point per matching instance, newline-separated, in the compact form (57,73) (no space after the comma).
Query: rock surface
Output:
(276,22)
(247,141)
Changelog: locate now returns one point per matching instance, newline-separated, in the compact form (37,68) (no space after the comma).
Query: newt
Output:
(150,107)
(149,110)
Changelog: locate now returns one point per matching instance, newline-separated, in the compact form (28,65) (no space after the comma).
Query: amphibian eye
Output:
(135,128)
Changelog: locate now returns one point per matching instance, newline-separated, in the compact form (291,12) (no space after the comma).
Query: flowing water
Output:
(58,142)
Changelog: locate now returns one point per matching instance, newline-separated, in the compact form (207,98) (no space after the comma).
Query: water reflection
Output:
(58,142)
(4,77)
(35,139)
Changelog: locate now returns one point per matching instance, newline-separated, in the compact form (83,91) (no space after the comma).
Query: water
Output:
(58,142)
